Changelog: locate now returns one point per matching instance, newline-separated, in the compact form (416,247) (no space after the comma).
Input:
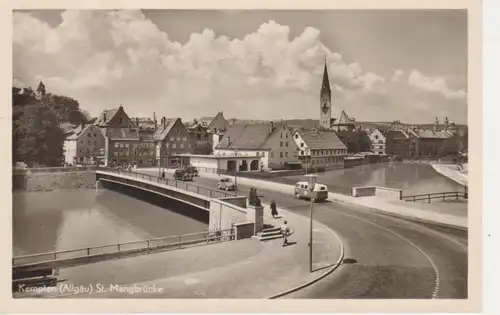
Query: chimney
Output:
(104,117)
(271,127)
(154,120)
(137,122)
(164,122)
(83,124)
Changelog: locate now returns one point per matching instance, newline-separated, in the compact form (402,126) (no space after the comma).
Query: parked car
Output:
(182,175)
(192,170)
(319,193)
(226,184)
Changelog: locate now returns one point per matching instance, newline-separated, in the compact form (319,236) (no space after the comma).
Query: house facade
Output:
(378,140)
(84,145)
(320,149)
(271,142)
(171,138)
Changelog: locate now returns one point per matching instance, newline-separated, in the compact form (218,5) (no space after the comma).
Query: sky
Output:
(384,65)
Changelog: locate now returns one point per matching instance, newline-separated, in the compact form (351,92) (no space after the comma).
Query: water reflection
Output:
(412,178)
(59,220)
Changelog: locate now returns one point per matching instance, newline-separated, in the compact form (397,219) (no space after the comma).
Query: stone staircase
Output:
(269,233)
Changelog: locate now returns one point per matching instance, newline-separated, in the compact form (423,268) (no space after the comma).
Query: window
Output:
(302,144)
(264,154)
(376,137)
(116,144)
(181,146)
(296,136)
(126,145)
(281,143)
(271,154)
(258,153)
(89,135)
(380,141)
(173,146)
(167,145)
(190,146)
(286,154)
(121,121)
(95,135)
(286,135)
(281,154)
(281,135)
(178,138)
(185,138)
(286,144)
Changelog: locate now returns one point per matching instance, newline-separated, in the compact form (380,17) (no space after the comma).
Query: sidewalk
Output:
(395,207)
(240,269)
(452,172)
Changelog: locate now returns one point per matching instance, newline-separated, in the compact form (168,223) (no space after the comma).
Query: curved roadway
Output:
(385,257)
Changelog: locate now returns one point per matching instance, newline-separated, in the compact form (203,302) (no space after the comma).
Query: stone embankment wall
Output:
(383,192)
(47,179)
(453,172)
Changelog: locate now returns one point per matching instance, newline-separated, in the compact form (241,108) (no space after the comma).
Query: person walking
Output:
(285,231)
(274,212)
(163,174)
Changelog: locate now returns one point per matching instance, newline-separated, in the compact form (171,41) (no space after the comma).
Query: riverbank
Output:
(54,178)
(239,269)
(453,172)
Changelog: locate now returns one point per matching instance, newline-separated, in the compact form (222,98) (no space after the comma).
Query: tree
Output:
(37,138)
(355,141)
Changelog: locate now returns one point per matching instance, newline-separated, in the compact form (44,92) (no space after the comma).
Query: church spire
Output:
(325,86)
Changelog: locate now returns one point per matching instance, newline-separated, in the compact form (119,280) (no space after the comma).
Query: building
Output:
(84,145)
(216,129)
(199,137)
(320,148)
(272,142)
(171,138)
(114,118)
(398,143)
(377,139)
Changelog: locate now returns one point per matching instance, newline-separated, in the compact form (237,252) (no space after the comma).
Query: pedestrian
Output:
(163,174)
(274,212)
(285,231)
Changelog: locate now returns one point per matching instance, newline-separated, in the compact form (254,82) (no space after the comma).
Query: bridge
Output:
(229,219)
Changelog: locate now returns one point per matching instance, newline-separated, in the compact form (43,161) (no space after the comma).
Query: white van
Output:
(320,192)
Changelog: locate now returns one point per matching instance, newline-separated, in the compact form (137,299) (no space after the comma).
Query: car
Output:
(182,175)
(226,184)
(320,192)
(179,174)
(192,170)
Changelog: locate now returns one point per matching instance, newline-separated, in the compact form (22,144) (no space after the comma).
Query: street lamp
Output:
(312,182)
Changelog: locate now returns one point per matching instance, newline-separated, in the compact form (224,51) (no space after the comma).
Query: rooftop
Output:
(321,139)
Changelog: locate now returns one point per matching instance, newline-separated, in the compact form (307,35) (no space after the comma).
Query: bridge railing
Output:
(93,253)
(187,186)
(432,196)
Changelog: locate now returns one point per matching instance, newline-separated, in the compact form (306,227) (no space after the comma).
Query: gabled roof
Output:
(75,133)
(247,136)
(398,134)
(321,139)
(110,114)
(161,131)
(123,134)
(431,134)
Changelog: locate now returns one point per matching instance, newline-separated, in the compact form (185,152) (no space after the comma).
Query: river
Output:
(412,177)
(69,219)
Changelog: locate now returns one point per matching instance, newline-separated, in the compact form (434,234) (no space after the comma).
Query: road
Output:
(385,257)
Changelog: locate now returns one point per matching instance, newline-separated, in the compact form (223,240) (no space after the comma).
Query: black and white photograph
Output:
(241,154)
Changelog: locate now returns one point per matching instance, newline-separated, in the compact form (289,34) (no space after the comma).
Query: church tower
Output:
(40,91)
(325,110)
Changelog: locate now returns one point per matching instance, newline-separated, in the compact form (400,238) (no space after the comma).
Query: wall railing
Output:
(194,188)
(433,196)
(121,250)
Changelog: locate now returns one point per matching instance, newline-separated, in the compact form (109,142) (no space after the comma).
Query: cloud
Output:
(437,84)
(397,75)
(103,58)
